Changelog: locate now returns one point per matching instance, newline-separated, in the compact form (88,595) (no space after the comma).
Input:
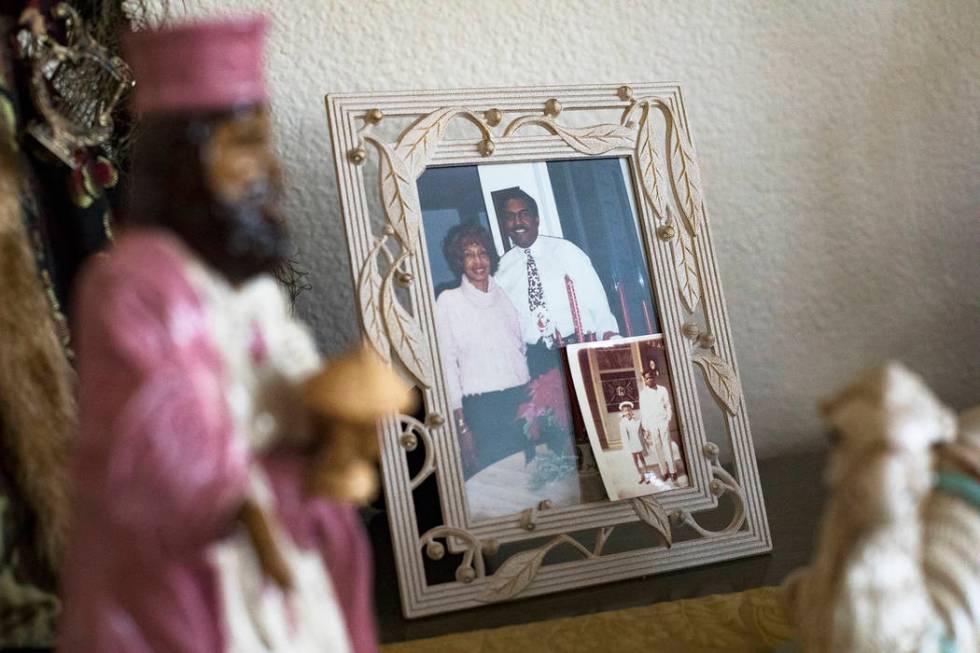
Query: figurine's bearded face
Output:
(213,179)
(246,234)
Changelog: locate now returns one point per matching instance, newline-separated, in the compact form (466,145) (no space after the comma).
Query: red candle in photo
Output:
(622,303)
(573,304)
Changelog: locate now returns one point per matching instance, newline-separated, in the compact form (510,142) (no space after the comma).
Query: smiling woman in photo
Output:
(483,352)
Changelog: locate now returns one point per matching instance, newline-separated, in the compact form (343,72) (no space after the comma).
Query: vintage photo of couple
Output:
(624,392)
(511,293)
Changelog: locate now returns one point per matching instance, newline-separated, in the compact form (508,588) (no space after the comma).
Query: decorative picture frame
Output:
(446,560)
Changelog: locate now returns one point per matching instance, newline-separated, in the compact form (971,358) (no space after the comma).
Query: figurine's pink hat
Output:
(201,66)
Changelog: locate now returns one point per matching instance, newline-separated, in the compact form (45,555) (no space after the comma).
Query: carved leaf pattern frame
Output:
(396,300)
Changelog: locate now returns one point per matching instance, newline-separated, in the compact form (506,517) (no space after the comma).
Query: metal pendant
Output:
(75,86)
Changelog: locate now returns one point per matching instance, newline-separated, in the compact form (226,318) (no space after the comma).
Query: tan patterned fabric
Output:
(753,620)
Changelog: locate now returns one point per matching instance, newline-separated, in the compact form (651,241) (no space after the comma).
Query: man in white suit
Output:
(655,415)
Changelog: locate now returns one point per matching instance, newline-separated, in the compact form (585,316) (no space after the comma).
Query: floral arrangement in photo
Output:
(550,467)
(547,409)
(547,421)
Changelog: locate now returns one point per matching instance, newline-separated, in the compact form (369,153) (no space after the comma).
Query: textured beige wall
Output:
(839,145)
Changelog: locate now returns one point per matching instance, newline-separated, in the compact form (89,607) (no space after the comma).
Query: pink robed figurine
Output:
(195,525)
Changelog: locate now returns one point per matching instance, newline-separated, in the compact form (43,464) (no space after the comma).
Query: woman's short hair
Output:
(462,236)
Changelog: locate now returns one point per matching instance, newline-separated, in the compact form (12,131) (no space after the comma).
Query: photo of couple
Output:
(626,398)
(527,259)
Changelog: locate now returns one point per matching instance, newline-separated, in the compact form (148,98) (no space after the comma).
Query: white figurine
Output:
(897,567)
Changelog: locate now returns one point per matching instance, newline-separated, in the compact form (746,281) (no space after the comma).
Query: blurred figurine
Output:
(194,526)
(896,567)
(348,398)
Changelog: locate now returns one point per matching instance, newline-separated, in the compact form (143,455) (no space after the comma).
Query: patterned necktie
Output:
(535,301)
(535,293)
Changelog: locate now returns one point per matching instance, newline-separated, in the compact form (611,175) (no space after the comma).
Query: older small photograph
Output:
(627,401)
(526,259)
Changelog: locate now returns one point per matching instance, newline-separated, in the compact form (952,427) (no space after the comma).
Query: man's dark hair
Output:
(459,238)
(501,197)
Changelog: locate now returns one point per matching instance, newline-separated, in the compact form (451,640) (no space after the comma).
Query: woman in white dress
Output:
(632,438)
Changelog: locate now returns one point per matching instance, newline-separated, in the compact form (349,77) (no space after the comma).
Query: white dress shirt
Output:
(479,341)
(555,258)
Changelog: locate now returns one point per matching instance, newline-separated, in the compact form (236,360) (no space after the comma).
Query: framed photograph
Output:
(538,263)
(539,255)
(623,390)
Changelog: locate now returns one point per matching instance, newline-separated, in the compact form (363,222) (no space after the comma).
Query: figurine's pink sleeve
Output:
(157,451)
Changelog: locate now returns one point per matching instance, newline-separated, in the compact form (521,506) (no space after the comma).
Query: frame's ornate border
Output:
(395,302)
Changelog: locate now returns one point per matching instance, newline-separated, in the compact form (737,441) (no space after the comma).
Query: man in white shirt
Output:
(655,415)
(551,282)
